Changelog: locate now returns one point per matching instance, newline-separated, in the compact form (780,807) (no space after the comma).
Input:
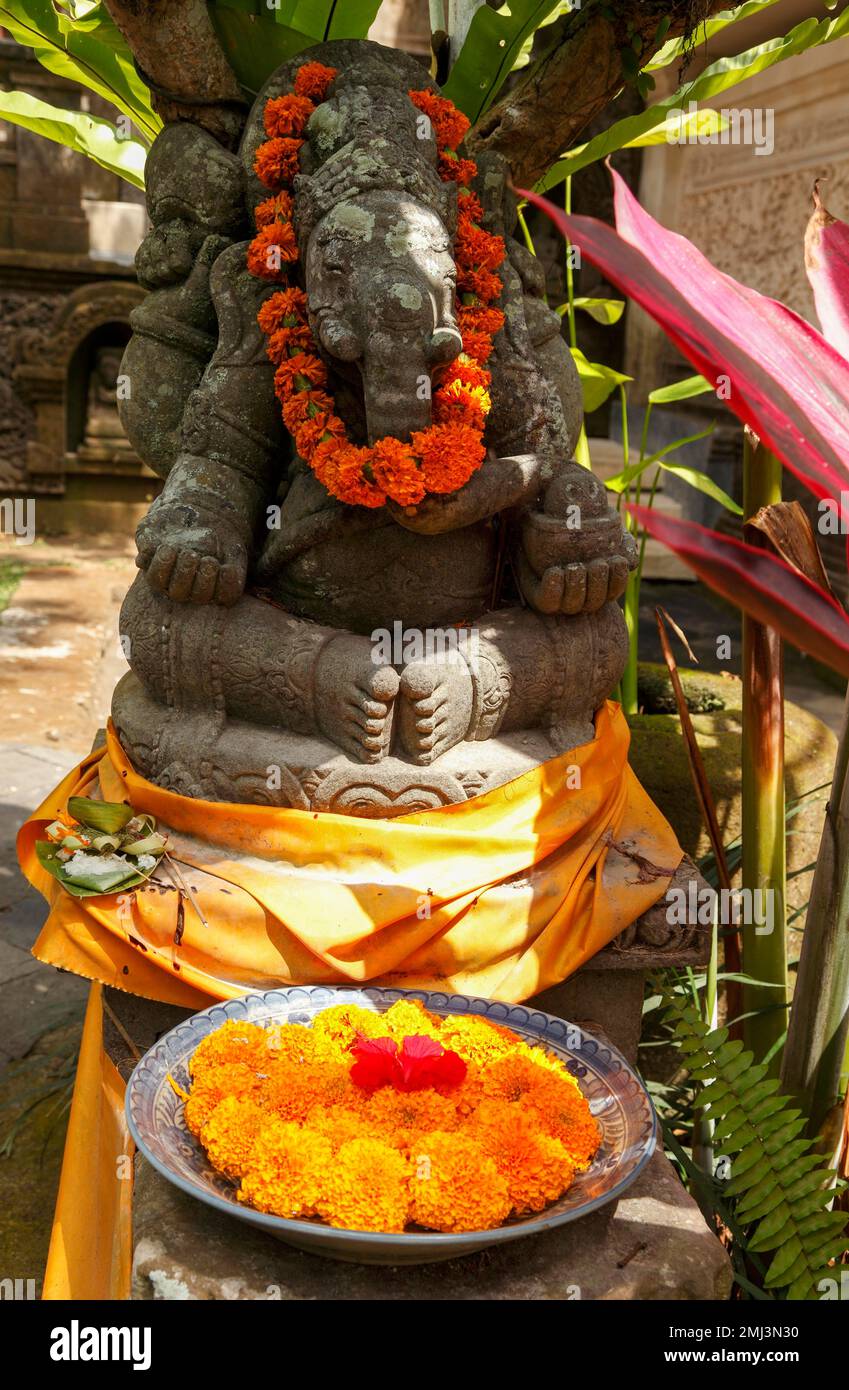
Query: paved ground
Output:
(59,658)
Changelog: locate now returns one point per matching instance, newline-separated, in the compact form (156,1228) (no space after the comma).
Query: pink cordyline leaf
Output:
(760,583)
(827,264)
(785,380)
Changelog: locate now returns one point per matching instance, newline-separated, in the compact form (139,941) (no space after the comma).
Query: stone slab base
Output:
(653,1244)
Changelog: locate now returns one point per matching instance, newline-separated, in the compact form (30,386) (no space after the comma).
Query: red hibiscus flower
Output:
(420,1063)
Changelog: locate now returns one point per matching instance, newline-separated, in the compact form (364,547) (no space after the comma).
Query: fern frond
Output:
(779,1190)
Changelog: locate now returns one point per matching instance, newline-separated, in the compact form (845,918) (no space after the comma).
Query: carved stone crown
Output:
(366,135)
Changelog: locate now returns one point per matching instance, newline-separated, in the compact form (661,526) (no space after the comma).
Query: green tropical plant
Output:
(495,40)
(777,1201)
(82,44)
(99,139)
(719,77)
(764,865)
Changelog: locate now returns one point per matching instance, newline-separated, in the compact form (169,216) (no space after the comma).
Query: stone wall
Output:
(68,235)
(748,212)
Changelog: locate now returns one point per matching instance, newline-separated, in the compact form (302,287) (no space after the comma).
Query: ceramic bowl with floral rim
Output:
(616,1096)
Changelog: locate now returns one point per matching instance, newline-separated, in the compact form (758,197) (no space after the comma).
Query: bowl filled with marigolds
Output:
(390,1126)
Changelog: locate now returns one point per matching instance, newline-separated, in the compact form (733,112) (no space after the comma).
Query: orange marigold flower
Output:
(338,1028)
(212,1086)
(478,346)
(469,204)
(480,318)
(455,170)
(476,1039)
(449,124)
(457,403)
(339,467)
(230,1133)
(409,1018)
(535,1166)
(232,1042)
(276,162)
(287,115)
(273,247)
(313,430)
(286,1171)
(564,1113)
(396,470)
(293,1089)
(477,248)
(401,1117)
(512,1077)
(299,372)
(464,372)
(450,409)
(284,342)
(283,309)
(302,404)
(456,1187)
(450,454)
(469,1094)
(365,1187)
(339,1125)
(288,1040)
(278,208)
(313,79)
(484,283)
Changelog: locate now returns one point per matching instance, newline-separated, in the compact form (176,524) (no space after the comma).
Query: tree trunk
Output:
(179,56)
(576,76)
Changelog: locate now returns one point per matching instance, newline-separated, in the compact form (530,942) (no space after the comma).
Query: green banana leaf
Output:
(493,43)
(524,54)
(77,51)
(99,139)
(718,78)
(675,49)
(329,19)
(106,883)
(257,39)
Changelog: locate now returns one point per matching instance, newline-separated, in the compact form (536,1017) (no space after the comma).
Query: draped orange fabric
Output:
(502,895)
(90,1246)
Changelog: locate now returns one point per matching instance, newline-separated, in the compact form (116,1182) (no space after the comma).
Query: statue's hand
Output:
(564,570)
(191,553)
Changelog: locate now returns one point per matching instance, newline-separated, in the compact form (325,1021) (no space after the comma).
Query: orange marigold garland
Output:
(374,1121)
(443,457)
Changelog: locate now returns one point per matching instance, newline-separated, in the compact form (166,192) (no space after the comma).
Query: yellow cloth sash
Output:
(502,895)
(90,1254)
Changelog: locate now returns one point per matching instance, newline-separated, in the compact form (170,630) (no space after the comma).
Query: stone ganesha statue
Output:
(258,628)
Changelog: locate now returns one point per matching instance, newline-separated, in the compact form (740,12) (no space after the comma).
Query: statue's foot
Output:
(355,698)
(436,706)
